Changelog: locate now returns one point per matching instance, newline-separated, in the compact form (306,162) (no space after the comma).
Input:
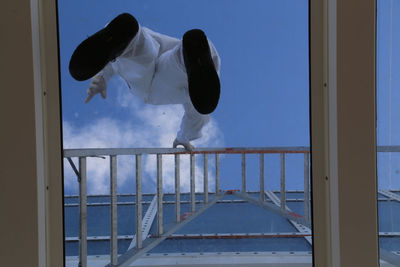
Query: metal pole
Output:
(139,201)
(243,173)
(205,178)
(192,184)
(306,187)
(283,186)
(216,174)
(159,195)
(82,214)
(73,167)
(177,189)
(262,187)
(114,217)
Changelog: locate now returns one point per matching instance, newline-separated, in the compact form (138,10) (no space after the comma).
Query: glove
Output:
(187,145)
(97,85)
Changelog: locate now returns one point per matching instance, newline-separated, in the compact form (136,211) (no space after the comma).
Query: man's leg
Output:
(191,126)
(203,80)
(187,71)
(93,54)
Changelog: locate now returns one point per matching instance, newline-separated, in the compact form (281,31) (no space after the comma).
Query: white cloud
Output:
(150,126)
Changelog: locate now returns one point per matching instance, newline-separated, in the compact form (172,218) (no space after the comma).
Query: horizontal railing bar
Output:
(388,148)
(99,238)
(208,254)
(92,152)
(119,195)
(183,193)
(200,236)
(188,202)
(237,236)
(168,202)
(216,236)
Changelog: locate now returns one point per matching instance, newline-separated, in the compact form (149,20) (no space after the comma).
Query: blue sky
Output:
(264,52)
(263,45)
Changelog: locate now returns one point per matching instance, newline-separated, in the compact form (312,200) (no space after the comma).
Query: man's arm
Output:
(99,82)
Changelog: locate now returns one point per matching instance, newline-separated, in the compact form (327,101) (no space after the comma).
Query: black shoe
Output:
(204,85)
(93,54)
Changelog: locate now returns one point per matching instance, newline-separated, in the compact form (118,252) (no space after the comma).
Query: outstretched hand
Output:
(97,85)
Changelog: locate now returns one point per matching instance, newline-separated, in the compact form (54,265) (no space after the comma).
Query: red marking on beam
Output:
(230,192)
(185,215)
(295,215)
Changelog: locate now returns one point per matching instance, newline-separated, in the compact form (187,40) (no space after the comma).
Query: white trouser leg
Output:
(169,85)
(154,69)
(192,123)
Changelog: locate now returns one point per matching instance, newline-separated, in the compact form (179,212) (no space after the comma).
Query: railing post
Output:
(205,181)
(82,213)
(307,186)
(159,195)
(192,184)
(262,186)
(283,183)
(216,174)
(177,189)
(114,217)
(139,201)
(243,173)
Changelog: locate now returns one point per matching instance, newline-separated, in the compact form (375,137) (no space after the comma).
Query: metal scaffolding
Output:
(140,242)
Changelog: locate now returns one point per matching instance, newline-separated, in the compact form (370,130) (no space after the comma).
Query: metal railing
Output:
(142,244)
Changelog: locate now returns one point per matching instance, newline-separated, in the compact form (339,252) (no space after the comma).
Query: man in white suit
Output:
(157,68)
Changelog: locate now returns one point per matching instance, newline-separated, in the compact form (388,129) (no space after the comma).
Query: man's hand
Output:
(97,85)
(187,145)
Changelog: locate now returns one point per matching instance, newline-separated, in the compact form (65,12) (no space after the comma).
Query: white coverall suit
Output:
(152,65)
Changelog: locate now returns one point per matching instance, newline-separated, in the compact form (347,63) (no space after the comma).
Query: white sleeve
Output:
(192,124)
(107,72)
(215,57)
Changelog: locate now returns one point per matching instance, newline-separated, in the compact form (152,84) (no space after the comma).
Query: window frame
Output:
(49,157)
(337,155)
(343,132)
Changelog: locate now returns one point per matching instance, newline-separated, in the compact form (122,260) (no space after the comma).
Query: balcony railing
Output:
(140,244)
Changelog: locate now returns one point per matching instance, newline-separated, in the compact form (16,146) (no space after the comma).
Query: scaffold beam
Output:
(390,195)
(134,253)
(300,227)
(146,222)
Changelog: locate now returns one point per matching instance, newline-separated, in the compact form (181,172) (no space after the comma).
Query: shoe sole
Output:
(203,80)
(93,54)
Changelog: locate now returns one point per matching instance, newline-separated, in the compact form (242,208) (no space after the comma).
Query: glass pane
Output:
(147,87)
(388,157)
